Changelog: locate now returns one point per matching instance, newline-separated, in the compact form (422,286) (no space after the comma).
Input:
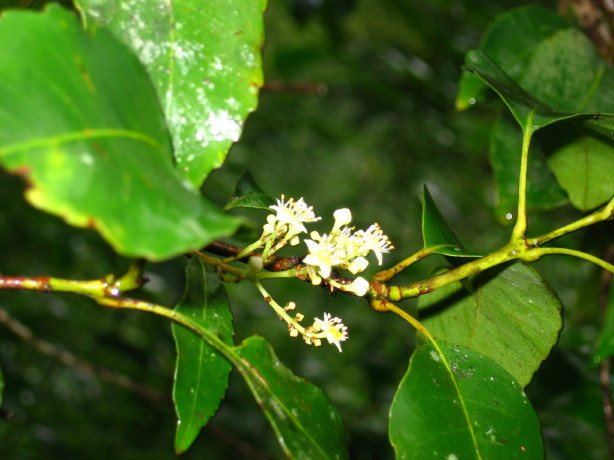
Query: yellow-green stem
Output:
(520,228)
(387,275)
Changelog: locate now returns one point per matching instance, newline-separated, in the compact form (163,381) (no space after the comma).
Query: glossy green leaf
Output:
(204,59)
(435,230)
(454,403)
(512,317)
(100,156)
(201,373)
(543,191)
(248,194)
(605,342)
(306,424)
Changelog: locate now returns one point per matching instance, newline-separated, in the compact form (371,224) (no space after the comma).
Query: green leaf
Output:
(510,41)
(454,403)
(204,59)
(100,156)
(248,194)
(605,342)
(543,191)
(566,72)
(306,424)
(471,90)
(583,165)
(201,373)
(547,71)
(435,230)
(531,113)
(512,317)
(513,37)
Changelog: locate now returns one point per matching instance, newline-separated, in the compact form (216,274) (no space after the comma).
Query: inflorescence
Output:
(343,248)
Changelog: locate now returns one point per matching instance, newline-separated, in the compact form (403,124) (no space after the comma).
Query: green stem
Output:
(508,252)
(387,275)
(598,216)
(211,338)
(520,229)
(385,306)
(537,253)
(278,309)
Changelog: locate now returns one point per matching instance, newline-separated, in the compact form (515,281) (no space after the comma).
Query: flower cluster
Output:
(343,248)
(289,220)
(330,328)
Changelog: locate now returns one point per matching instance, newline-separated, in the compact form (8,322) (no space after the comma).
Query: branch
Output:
(68,359)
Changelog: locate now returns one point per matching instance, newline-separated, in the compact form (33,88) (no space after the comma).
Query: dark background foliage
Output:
(357,111)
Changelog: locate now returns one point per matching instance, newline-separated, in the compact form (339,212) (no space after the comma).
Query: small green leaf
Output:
(513,318)
(543,191)
(471,91)
(248,194)
(201,374)
(306,424)
(454,403)
(204,59)
(435,230)
(605,342)
(100,156)
(584,167)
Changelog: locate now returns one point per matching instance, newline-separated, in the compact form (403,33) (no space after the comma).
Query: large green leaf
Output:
(512,317)
(204,59)
(80,120)
(201,373)
(306,424)
(454,404)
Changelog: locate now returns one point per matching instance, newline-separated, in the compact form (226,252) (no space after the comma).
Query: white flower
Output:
(332,329)
(293,213)
(323,254)
(373,239)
